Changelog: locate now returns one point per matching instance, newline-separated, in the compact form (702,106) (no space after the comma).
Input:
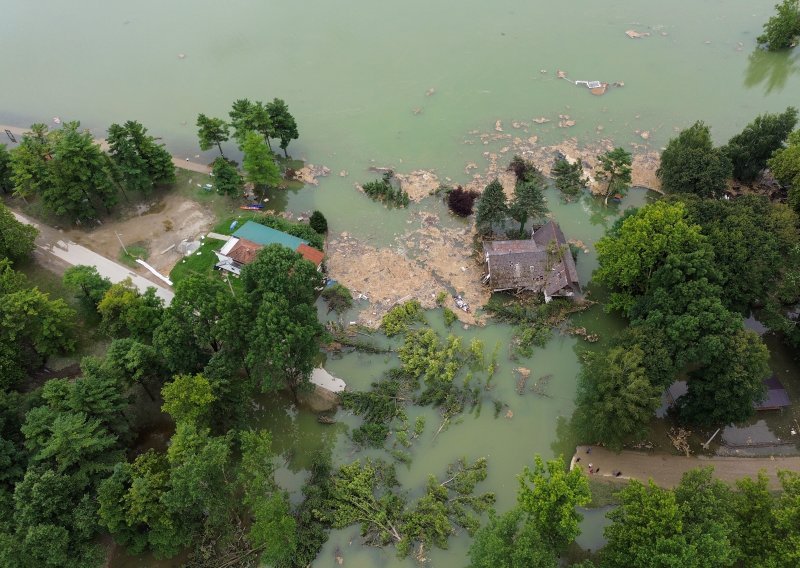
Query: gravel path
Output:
(666,470)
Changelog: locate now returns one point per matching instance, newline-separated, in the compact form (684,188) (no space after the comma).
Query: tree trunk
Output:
(219,145)
(147,390)
(266,139)
(285,153)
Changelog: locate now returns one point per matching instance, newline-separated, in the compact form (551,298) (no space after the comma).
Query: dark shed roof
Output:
(776,398)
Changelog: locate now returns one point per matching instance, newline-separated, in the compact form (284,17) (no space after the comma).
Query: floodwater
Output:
(355,74)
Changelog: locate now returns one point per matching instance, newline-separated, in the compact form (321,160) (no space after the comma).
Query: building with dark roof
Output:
(542,263)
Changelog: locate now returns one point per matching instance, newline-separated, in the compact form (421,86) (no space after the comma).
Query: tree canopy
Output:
(492,208)
(528,199)
(749,150)
(212,132)
(782,29)
(258,162)
(569,177)
(690,164)
(615,171)
(141,161)
(16,238)
(284,127)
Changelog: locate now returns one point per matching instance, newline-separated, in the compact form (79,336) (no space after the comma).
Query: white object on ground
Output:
(154,272)
(325,380)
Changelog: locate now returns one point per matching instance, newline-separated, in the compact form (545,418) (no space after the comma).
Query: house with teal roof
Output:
(245,243)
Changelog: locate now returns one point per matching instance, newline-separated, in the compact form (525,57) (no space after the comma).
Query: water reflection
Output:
(771,69)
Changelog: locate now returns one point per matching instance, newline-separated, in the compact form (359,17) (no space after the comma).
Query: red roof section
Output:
(311,254)
(244,252)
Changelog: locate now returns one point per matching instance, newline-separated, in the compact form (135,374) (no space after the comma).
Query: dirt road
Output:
(57,253)
(666,470)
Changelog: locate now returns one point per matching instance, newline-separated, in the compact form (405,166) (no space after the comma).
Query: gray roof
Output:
(542,263)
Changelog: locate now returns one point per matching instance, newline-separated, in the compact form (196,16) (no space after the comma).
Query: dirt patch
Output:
(310,173)
(419,184)
(423,262)
(164,223)
(666,469)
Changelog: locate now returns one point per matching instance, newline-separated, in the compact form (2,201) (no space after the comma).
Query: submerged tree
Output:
(569,177)
(247,116)
(782,29)
(258,162)
(691,164)
(284,126)
(615,170)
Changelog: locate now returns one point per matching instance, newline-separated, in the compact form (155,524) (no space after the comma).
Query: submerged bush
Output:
(401,316)
(318,222)
(461,201)
(338,297)
(385,191)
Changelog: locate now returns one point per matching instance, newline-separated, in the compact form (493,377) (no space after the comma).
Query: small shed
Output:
(776,398)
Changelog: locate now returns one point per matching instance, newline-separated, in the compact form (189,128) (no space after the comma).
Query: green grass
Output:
(131,252)
(201,261)
(604,492)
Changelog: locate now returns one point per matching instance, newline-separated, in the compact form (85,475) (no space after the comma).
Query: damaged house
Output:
(542,263)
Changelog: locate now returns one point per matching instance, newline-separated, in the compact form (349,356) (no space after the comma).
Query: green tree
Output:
(725,391)
(227,179)
(752,147)
(492,208)
(782,29)
(6,183)
(638,245)
(549,494)
(212,132)
(616,399)
(16,239)
(188,398)
(754,508)
(191,331)
(615,170)
(142,162)
(647,530)
(318,222)
(86,283)
(510,541)
(690,164)
(752,241)
(787,518)
(127,312)
(284,126)
(785,166)
(528,200)
(29,162)
(569,177)
(283,344)
(67,169)
(249,116)
(258,162)
(281,271)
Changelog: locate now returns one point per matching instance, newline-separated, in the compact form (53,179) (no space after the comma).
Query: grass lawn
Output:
(604,492)
(134,251)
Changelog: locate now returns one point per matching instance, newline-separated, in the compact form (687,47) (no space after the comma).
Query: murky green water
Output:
(352,72)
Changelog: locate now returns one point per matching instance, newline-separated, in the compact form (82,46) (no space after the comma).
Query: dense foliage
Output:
(461,201)
(782,30)
(615,171)
(212,132)
(16,239)
(318,222)
(140,162)
(227,179)
(569,177)
(492,208)
(749,150)
(528,199)
(691,165)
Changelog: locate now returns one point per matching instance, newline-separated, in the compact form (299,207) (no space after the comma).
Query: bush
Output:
(385,191)
(338,298)
(400,317)
(299,230)
(318,222)
(449,316)
(461,201)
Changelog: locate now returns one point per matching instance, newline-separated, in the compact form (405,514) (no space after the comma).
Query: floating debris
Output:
(633,34)
(498,126)
(541,120)
(430,92)
(181,56)
(524,375)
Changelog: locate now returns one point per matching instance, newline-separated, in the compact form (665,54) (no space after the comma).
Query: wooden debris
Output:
(522,380)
